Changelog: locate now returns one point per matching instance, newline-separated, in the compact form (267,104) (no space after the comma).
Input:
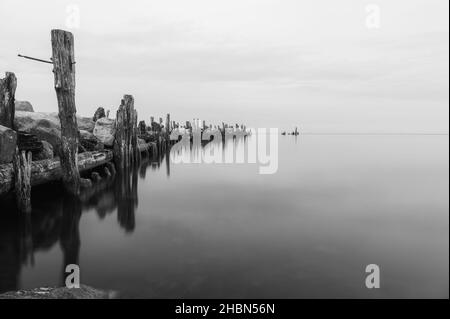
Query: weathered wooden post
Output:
(22,180)
(125,143)
(64,72)
(142,128)
(134,137)
(7,92)
(168,123)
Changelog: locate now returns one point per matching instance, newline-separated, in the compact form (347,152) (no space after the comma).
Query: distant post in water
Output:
(64,72)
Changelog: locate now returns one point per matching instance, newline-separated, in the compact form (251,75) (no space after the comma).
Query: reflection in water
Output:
(56,218)
(224,231)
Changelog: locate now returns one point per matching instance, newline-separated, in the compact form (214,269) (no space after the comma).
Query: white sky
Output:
(267,63)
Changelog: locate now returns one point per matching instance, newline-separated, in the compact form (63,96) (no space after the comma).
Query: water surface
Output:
(336,204)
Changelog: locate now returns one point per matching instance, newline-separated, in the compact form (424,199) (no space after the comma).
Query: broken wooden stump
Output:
(22,180)
(168,128)
(142,128)
(8,144)
(99,113)
(7,95)
(64,72)
(125,143)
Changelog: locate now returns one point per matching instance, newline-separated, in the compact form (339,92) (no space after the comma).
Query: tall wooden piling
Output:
(64,72)
(7,92)
(22,180)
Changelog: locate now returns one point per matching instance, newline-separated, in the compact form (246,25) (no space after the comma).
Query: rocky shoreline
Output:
(84,292)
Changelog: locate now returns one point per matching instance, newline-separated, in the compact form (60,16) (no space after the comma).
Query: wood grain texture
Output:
(64,73)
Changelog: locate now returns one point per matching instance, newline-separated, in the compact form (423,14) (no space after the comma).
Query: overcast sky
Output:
(267,63)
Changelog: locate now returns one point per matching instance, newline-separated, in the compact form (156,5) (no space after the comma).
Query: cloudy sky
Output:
(267,63)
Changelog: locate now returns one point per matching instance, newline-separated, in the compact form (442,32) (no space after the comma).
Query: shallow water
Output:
(335,205)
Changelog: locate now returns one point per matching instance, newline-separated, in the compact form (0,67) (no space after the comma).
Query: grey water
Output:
(164,230)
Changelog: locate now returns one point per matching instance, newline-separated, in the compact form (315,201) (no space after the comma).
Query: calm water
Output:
(336,204)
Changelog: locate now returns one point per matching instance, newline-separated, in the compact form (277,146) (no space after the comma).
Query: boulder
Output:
(85,124)
(89,142)
(29,143)
(84,292)
(46,126)
(45,153)
(24,106)
(100,113)
(8,143)
(105,131)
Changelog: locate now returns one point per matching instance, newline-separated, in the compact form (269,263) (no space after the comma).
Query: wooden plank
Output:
(50,170)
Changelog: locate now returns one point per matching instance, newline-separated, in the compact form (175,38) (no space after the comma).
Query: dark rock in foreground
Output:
(84,292)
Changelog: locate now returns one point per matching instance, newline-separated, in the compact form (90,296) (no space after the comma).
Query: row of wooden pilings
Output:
(26,172)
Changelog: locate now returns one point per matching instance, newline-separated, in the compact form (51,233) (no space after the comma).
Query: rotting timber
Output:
(131,140)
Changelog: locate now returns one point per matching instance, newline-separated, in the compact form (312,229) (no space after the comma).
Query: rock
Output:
(24,106)
(85,124)
(100,113)
(46,126)
(89,142)
(84,292)
(46,153)
(105,131)
(8,143)
(29,142)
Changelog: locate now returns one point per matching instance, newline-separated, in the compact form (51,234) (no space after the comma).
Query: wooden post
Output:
(7,92)
(125,143)
(134,137)
(142,128)
(64,72)
(22,180)
(168,123)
